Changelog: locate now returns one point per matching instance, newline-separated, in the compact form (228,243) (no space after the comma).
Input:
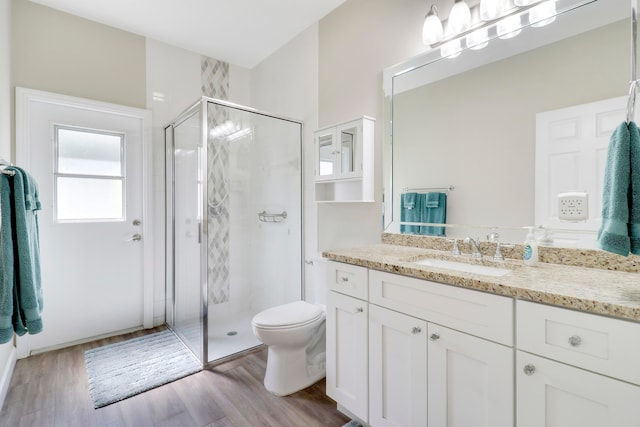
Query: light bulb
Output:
(478,39)
(459,18)
(451,49)
(490,9)
(543,14)
(432,29)
(509,27)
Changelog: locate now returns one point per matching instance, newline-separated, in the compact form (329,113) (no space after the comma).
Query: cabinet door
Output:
(470,380)
(326,159)
(347,346)
(398,370)
(553,394)
(349,149)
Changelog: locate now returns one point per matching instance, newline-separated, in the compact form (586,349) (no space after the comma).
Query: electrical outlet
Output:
(573,206)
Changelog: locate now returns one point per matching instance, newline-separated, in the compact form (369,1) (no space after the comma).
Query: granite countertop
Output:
(593,290)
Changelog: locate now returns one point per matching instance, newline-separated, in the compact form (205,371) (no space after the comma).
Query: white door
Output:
(571,152)
(89,160)
(398,369)
(553,394)
(470,380)
(347,374)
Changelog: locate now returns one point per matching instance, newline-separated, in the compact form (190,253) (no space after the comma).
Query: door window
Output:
(89,175)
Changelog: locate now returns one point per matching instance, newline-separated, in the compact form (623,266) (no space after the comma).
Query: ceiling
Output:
(241,32)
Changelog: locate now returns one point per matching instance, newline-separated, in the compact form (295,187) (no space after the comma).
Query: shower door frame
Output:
(202,106)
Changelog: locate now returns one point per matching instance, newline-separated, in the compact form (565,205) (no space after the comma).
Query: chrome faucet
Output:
(475,246)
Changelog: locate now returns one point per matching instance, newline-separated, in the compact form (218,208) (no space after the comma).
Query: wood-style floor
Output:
(51,390)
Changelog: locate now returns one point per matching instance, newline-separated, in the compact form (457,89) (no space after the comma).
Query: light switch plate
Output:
(573,206)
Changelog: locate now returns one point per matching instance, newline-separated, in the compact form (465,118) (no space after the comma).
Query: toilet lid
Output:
(295,313)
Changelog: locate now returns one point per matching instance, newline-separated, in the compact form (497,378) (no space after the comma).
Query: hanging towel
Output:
(634,198)
(617,195)
(410,212)
(27,300)
(434,210)
(433,200)
(6,261)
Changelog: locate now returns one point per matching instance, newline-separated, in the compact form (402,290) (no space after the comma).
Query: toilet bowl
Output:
(295,336)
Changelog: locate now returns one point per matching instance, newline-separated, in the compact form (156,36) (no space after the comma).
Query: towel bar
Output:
(272,217)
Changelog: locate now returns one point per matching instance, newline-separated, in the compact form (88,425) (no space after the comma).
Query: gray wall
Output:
(57,52)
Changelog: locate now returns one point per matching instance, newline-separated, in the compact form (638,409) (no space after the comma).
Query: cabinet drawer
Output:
(597,343)
(347,279)
(476,313)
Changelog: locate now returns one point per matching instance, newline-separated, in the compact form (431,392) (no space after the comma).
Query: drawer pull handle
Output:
(529,369)
(359,310)
(344,279)
(575,340)
(416,330)
(434,336)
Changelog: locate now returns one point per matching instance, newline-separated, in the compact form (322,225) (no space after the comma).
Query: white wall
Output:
(7,351)
(356,42)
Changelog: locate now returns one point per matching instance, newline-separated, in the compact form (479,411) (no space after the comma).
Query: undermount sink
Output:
(464,267)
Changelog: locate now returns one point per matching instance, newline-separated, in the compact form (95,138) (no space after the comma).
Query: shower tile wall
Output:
(215,84)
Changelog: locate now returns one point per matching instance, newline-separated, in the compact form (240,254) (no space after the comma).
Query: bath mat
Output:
(121,370)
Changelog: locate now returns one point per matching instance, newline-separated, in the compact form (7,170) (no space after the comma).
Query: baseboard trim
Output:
(5,380)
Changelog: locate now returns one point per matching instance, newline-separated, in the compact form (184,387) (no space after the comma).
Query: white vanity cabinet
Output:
(470,380)
(344,161)
(347,338)
(575,369)
(423,373)
(397,369)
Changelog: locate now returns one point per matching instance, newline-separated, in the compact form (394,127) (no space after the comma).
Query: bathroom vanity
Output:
(415,343)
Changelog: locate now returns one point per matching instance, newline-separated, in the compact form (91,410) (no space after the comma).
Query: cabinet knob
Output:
(575,340)
(344,279)
(529,369)
(434,336)
(416,330)
(359,310)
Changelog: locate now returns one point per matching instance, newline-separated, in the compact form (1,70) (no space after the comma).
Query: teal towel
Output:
(6,261)
(28,301)
(617,197)
(432,200)
(410,212)
(409,200)
(634,198)
(434,215)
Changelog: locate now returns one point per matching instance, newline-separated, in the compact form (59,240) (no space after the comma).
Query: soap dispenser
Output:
(530,253)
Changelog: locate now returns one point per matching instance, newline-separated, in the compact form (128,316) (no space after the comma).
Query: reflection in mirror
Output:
(347,145)
(325,155)
(470,122)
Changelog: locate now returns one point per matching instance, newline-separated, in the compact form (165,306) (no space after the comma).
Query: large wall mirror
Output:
(470,122)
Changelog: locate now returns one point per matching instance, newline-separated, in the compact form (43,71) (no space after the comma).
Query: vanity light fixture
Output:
(543,14)
(432,31)
(509,27)
(459,18)
(473,27)
(490,9)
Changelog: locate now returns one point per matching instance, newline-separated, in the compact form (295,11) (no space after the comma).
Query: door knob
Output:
(135,238)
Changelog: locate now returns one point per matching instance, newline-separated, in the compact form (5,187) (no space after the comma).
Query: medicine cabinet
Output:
(344,161)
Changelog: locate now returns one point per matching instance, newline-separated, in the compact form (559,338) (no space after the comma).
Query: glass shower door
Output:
(187,313)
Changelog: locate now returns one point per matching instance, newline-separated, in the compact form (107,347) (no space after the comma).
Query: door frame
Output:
(25,98)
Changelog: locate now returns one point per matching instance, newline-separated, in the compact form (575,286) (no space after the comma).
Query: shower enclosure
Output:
(234,223)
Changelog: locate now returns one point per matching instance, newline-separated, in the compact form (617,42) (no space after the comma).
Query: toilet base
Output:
(289,371)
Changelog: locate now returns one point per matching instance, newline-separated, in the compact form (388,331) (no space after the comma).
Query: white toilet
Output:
(295,335)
